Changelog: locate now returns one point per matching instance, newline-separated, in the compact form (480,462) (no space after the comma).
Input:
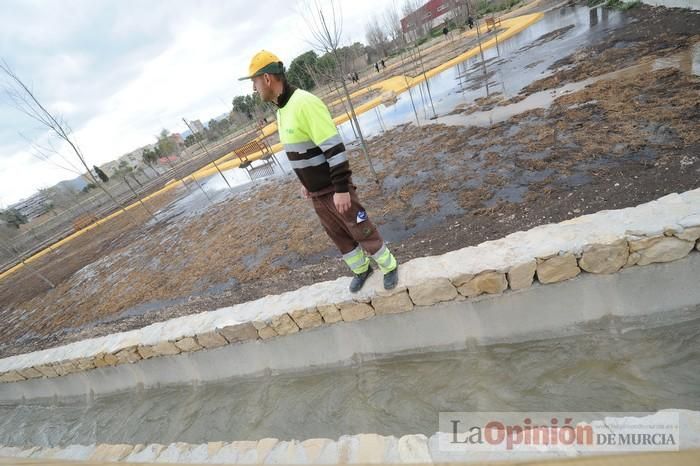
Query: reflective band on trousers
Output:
(357,260)
(385,259)
(337,159)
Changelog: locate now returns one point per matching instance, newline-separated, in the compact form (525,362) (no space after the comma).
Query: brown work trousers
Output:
(344,229)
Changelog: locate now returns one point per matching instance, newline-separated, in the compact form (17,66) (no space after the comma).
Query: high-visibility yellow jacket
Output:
(314,148)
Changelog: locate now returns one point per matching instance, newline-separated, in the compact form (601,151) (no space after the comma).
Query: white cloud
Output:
(121,71)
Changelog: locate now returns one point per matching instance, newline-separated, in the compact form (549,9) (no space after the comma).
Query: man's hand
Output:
(304,192)
(342,202)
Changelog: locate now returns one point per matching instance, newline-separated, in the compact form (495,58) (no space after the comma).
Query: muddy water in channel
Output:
(607,365)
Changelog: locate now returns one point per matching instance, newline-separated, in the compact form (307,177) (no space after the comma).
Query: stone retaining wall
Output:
(664,230)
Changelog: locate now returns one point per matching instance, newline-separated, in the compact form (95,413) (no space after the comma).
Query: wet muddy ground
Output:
(615,143)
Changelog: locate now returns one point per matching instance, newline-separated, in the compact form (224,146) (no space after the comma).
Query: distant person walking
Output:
(376,66)
(317,154)
(383,64)
(470,22)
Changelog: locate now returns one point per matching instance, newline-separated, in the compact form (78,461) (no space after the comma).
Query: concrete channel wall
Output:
(482,293)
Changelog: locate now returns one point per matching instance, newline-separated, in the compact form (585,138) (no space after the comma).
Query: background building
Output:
(427,16)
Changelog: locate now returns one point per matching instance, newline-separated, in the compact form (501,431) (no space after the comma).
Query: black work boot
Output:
(359,280)
(391,279)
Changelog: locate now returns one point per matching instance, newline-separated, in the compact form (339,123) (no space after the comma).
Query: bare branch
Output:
(26,102)
(328,39)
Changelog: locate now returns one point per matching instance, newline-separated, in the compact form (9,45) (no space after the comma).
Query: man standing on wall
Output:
(317,154)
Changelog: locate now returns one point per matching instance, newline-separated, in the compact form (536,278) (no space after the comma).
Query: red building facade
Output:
(428,14)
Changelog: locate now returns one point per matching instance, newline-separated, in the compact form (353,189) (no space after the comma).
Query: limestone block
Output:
(689,234)
(371,448)
(105,359)
(67,367)
(632,259)
(432,292)
(211,339)
(108,452)
(557,268)
(229,453)
(462,279)
(665,249)
(198,454)
(264,447)
(30,373)
(347,448)
(146,454)
(414,449)
(392,303)
(287,452)
(188,344)
(74,452)
(47,370)
(165,348)
(239,332)
(351,311)
(71,366)
(45,452)
(605,258)
(486,282)
(85,364)
(213,448)
(314,449)
(307,318)
(520,276)
(644,243)
(246,452)
(11,376)
(177,452)
(283,324)
(146,352)
(128,355)
(264,330)
(330,313)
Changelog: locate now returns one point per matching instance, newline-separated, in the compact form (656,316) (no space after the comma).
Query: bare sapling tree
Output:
(376,37)
(326,28)
(26,102)
(392,25)
(31,268)
(209,156)
(318,76)
(42,152)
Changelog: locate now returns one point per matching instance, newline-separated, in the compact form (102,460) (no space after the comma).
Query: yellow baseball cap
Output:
(263,62)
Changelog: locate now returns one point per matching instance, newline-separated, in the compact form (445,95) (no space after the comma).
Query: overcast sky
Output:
(119,71)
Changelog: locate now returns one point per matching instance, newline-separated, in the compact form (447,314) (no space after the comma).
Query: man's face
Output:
(263,85)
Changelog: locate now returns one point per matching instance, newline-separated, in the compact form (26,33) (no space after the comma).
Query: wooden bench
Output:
(253,147)
(248,149)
